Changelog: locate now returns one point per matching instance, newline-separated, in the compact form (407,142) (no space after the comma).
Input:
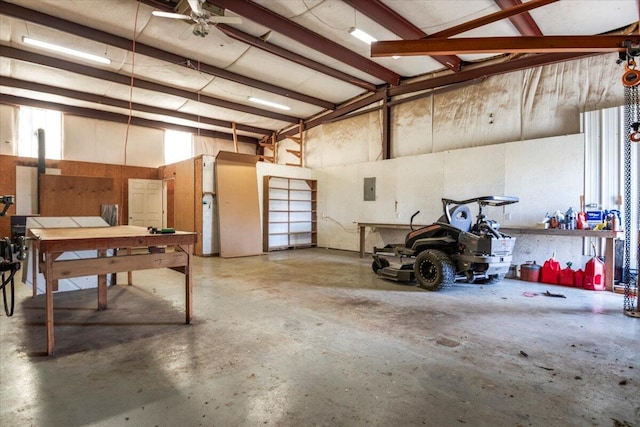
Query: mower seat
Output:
(461,217)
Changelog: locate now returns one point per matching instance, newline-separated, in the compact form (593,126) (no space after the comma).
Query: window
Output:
(177,146)
(29,121)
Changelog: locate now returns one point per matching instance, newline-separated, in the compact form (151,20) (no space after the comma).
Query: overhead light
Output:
(361,35)
(268,103)
(162,14)
(66,50)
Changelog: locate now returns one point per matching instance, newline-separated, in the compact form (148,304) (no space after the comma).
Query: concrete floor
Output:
(313,337)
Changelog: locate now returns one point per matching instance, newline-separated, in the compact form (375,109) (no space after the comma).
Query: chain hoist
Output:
(630,80)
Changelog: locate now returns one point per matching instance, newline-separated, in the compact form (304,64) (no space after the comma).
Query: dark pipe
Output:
(41,157)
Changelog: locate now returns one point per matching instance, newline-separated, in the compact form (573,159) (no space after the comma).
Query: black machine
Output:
(450,249)
(11,255)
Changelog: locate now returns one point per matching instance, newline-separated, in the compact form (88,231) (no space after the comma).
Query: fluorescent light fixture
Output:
(168,14)
(66,50)
(361,35)
(268,103)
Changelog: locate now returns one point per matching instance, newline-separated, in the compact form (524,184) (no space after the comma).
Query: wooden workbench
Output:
(50,243)
(609,250)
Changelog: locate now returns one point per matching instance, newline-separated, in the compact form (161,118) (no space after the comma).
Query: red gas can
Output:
(566,277)
(550,271)
(594,275)
(530,272)
(578,280)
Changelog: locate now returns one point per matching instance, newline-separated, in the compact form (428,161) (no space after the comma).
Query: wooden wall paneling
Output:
(120,174)
(63,195)
(170,183)
(184,196)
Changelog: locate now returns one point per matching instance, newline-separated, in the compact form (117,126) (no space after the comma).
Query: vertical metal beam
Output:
(386,127)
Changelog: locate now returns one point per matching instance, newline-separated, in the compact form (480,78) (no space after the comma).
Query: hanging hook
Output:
(631,77)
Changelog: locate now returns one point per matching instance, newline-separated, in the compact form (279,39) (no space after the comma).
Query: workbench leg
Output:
(129,273)
(188,282)
(49,301)
(102,284)
(362,233)
(35,258)
(609,266)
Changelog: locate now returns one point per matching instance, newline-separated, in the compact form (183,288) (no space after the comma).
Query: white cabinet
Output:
(210,234)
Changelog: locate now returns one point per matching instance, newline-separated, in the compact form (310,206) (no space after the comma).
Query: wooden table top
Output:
(120,236)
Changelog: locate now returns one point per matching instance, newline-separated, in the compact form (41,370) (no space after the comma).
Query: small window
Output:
(177,146)
(29,121)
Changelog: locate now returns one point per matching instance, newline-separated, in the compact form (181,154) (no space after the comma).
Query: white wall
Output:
(8,130)
(91,140)
(546,174)
(99,141)
(523,105)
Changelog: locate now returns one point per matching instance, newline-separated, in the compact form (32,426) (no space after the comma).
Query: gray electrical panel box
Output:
(369,189)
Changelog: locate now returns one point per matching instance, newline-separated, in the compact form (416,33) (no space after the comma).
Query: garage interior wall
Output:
(523,105)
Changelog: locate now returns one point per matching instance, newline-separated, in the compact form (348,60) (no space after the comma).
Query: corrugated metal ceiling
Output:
(294,52)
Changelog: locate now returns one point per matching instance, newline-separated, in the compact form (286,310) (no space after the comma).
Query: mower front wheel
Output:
(379,263)
(434,270)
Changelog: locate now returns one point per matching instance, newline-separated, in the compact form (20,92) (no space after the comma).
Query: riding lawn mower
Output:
(450,249)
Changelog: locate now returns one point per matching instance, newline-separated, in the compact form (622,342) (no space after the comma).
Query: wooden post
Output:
(235,136)
(271,146)
(48,305)
(102,284)
(300,141)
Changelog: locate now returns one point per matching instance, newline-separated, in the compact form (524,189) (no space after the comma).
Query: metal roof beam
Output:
(493,17)
(544,44)
(100,99)
(30,15)
(397,24)
(523,22)
(282,25)
(118,118)
(21,55)
(293,57)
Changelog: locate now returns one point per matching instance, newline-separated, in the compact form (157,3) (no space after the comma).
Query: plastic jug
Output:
(566,277)
(550,271)
(578,280)
(594,275)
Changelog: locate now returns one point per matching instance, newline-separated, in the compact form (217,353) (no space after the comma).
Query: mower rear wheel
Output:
(379,263)
(434,270)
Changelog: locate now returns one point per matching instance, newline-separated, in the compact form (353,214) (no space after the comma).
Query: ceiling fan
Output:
(200,14)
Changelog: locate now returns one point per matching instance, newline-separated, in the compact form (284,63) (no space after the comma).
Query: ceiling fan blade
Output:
(170,15)
(195,7)
(214,19)
(526,44)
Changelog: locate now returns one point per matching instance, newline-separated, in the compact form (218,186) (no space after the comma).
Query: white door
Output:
(145,202)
